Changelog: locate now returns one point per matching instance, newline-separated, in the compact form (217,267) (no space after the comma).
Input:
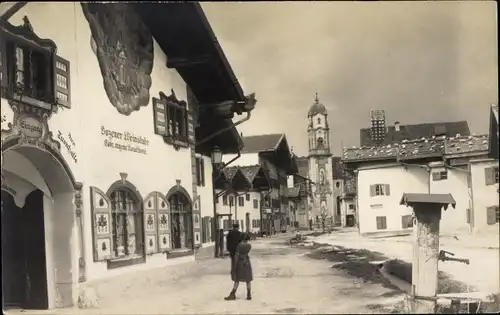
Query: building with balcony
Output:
(109,111)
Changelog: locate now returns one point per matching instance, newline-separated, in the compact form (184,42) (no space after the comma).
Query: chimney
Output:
(378,130)
(396,126)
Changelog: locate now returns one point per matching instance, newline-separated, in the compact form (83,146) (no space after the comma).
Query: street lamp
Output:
(216,156)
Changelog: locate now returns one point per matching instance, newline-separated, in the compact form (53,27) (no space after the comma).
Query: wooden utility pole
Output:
(427,212)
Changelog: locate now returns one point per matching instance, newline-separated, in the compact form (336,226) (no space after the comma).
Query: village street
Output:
(285,281)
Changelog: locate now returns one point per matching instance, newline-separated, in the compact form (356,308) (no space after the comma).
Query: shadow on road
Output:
(363,264)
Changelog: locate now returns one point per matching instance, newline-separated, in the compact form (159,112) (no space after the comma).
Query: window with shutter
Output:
(29,65)
(151,204)
(102,225)
(381,223)
(372,190)
(241,201)
(387,190)
(128,225)
(197,222)
(491,215)
(255,204)
(202,171)
(489,176)
(164,242)
(63,83)
(247,196)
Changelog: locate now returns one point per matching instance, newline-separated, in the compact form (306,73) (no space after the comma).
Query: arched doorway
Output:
(38,221)
(181,218)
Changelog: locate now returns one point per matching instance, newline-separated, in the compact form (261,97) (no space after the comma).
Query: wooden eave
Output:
(260,181)
(239,182)
(183,32)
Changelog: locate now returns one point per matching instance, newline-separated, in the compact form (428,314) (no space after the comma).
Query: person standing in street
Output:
(242,269)
(233,238)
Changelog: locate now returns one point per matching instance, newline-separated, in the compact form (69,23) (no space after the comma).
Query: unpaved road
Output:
(286,280)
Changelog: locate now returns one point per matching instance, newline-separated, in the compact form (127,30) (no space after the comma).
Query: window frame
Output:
(46,49)
(139,224)
(241,201)
(174,126)
(439,175)
(255,204)
(185,214)
(200,171)
(379,219)
(378,190)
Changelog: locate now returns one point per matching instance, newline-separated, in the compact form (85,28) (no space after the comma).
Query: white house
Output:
(456,165)
(240,191)
(102,115)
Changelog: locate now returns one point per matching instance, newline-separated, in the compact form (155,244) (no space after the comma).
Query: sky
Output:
(419,61)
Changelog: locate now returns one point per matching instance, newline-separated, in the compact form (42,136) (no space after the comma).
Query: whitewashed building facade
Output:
(102,118)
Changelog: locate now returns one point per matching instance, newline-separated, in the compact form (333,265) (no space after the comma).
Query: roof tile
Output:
(413,132)
(259,143)
(413,149)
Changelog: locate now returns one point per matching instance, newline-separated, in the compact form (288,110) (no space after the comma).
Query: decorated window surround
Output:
(18,77)
(171,118)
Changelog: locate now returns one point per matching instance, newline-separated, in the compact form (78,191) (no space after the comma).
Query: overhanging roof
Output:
(184,34)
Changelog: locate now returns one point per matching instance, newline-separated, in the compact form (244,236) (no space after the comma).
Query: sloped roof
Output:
(259,143)
(250,171)
(230,172)
(412,199)
(415,149)
(303,166)
(466,144)
(413,132)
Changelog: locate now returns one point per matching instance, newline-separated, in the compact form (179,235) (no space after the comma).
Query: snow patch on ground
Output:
(482,273)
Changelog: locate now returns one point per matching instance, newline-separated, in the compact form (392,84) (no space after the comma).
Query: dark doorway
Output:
(24,272)
(350,222)
(247,222)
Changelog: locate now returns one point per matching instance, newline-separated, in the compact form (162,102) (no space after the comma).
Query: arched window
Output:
(180,212)
(319,121)
(320,143)
(128,230)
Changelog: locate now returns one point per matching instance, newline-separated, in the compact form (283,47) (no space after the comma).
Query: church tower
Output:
(320,202)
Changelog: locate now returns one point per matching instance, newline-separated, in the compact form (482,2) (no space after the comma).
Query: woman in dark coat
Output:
(242,269)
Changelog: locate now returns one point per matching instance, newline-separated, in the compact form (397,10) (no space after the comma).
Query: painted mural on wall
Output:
(123,46)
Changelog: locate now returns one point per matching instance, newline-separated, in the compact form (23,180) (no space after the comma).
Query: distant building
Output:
(300,198)
(240,191)
(273,155)
(437,164)
(380,134)
(321,199)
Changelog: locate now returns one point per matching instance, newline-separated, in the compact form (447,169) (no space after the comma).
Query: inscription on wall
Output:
(124,141)
(31,127)
(69,144)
